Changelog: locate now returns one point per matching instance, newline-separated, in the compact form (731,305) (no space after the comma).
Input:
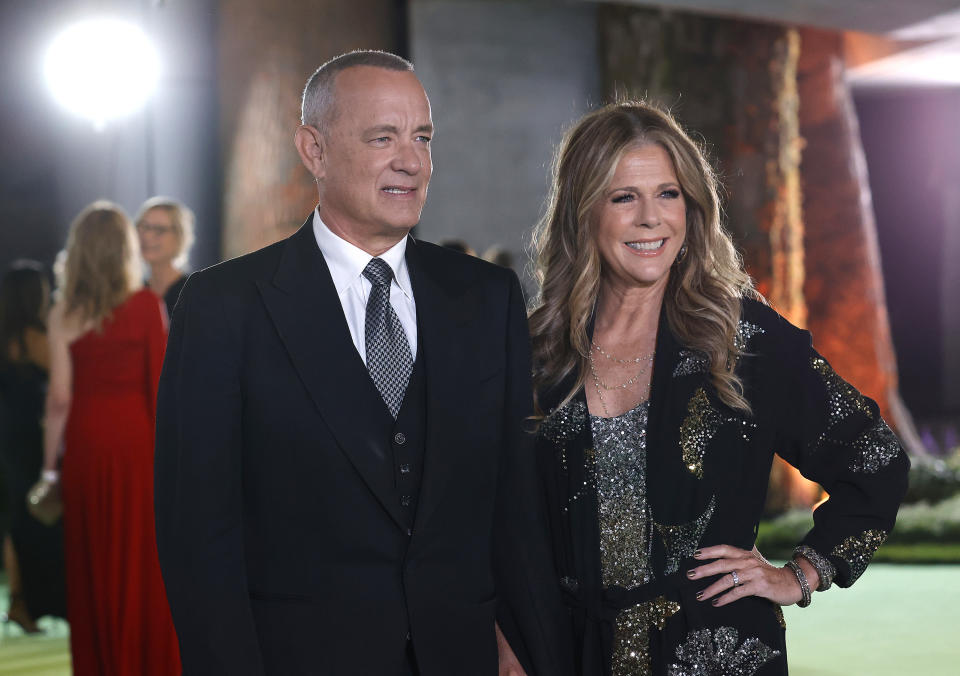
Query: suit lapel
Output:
(442,325)
(303,304)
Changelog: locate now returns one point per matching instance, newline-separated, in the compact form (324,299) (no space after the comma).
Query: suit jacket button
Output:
(409,532)
(406,500)
(400,438)
(404,468)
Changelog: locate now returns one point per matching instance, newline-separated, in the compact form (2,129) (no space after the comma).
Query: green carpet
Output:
(896,620)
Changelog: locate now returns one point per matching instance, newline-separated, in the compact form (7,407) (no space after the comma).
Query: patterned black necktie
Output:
(389,360)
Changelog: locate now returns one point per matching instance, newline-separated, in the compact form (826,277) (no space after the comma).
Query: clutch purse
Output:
(44,502)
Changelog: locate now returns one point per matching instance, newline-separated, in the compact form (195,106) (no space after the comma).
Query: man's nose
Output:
(408,160)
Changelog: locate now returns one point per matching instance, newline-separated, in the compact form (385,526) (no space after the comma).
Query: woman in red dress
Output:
(106,350)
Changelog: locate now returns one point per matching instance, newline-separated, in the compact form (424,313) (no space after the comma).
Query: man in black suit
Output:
(343,484)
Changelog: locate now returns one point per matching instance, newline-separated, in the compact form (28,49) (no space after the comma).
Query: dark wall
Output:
(913,156)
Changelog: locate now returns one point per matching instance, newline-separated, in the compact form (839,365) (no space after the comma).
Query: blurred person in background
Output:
(165,228)
(459,246)
(32,552)
(106,349)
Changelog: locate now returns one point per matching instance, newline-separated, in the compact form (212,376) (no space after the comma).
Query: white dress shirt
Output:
(346,263)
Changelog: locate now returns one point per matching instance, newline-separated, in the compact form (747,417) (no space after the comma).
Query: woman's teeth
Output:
(646,246)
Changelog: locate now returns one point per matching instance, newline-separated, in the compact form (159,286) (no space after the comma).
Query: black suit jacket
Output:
(281,542)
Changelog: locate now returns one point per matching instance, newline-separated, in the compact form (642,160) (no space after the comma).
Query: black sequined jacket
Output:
(706,476)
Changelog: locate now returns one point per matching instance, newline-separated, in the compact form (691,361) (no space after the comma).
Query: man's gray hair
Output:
(317,108)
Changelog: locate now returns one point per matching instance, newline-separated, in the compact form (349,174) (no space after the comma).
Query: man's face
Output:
(376,155)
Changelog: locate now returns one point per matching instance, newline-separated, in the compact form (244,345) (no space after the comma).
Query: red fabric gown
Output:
(120,622)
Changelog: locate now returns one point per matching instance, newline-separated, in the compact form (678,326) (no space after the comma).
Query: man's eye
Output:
(423,139)
(381,139)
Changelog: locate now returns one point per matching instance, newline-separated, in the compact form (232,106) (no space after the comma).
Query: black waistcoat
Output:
(406,438)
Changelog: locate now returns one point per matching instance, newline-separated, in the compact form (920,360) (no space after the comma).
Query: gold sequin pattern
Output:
(778,613)
(696,431)
(631,637)
(621,465)
(682,540)
(857,550)
(843,400)
(706,653)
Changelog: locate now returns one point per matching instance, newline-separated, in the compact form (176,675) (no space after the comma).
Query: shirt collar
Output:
(347,262)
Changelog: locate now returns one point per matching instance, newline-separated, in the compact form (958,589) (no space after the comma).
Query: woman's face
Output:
(640,221)
(159,242)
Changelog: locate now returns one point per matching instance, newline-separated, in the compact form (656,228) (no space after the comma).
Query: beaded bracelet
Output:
(821,564)
(804,585)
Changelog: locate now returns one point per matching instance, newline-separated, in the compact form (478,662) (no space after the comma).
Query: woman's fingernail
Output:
(691,573)
(699,595)
(715,602)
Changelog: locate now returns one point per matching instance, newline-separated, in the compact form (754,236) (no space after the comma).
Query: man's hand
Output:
(509,664)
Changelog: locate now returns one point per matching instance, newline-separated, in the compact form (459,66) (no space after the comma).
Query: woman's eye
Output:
(627,197)
(671,194)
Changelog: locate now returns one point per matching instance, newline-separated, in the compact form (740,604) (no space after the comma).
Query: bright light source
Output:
(102,69)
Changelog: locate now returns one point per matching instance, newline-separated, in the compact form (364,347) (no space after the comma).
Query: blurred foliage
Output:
(933,479)
(924,532)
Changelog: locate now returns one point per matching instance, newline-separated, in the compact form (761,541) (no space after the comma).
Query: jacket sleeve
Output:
(530,611)
(835,436)
(198,487)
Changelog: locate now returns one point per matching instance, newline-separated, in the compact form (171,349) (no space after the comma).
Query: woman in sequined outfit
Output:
(666,385)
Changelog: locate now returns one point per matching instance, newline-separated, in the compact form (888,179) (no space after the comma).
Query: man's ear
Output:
(310,145)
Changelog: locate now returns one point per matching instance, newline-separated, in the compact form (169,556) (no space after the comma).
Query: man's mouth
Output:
(398,190)
(646,246)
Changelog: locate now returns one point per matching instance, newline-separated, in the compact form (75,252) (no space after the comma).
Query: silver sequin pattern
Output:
(877,445)
(621,464)
(875,448)
(625,536)
(682,540)
(565,423)
(706,653)
(745,331)
(691,362)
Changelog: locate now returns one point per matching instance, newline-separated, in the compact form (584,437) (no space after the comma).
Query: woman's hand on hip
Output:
(746,573)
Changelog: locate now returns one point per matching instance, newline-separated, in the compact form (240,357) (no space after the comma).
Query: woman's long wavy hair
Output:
(100,266)
(705,287)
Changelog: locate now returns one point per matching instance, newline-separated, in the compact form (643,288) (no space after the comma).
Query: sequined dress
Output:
(621,456)
(631,498)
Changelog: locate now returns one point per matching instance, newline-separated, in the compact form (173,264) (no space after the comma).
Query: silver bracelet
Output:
(825,570)
(804,585)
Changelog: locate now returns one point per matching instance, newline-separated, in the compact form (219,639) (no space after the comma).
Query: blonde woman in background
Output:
(165,228)
(106,349)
